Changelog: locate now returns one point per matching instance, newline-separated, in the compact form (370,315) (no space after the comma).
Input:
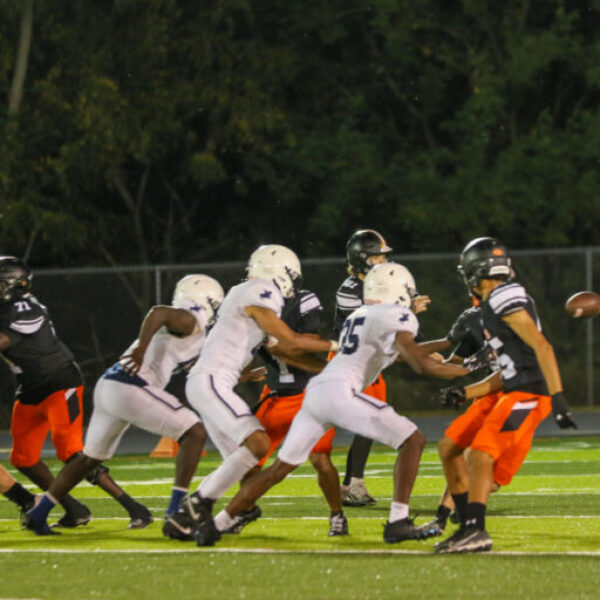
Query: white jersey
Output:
(367,344)
(235,337)
(167,353)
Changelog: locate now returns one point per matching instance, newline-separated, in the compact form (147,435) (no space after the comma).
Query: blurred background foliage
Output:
(163,131)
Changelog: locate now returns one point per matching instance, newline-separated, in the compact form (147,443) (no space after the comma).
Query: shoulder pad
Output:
(507,298)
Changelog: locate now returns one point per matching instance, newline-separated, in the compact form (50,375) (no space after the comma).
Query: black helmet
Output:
(15,278)
(362,244)
(484,258)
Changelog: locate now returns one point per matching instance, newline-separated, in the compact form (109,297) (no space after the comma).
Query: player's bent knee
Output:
(416,439)
(258,443)
(196,434)
(320,461)
(448,449)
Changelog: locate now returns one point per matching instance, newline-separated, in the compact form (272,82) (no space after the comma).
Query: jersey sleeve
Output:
(199,312)
(399,319)
(311,313)
(507,299)
(348,298)
(21,319)
(264,294)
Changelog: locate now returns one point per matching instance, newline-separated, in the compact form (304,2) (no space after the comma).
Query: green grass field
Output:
(545,527)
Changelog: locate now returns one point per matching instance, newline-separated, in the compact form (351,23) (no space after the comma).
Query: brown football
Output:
(583,305)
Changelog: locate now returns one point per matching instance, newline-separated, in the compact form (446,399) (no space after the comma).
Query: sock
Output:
(128,503)
(358,456)
(45,505)
(19,495)
(356,480)
(460,502)
(70,504)
(336,513)
(223,521)
(475,515)
(177,493)
(230,471)
(398,511)
(443,512)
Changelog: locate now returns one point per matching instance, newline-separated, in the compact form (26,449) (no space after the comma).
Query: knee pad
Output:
(95,474)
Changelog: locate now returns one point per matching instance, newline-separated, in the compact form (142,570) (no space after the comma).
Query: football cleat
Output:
(454,518)
(338,525)
(37,525)
(74,518)
(405,529)
(356,494)
(207,534)
(435,527)
(25,509)
(466,539)
(191,512)
(245,517)
(140,518)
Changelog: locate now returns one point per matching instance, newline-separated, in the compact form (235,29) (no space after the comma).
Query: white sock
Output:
(356,480)
(398,511)
(230,471)
(223,521)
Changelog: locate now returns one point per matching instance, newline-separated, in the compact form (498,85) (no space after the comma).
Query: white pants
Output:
(118,405)
(225,415)
(335,403)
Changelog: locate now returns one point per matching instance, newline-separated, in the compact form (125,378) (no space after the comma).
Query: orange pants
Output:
(276,414)
(61,413)
(501,425)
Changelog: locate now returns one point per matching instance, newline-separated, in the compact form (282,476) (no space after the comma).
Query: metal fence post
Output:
(589,330)
(157,285)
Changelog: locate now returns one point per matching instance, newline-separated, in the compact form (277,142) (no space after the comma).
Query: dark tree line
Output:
(139,131)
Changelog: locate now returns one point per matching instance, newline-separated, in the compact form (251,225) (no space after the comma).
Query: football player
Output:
(365,249)
(279,403)
(132,391)
(513,400)
(249,314)
(49,394)
(373,337)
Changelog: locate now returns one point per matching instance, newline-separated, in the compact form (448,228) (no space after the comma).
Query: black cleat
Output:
(25,509)
(466,539)
(454,518)
(37,525)
(245,517)
(191,512)
(74,518)
(140,517)
(207,534)
(435,527)
(338,525)
(404,529)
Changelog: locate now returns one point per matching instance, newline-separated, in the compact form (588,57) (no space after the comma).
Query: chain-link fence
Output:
(97,312)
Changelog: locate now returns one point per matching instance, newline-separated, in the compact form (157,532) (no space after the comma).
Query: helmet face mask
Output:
(389,283)
(484,258)
(200,290)
(363,244)
(278,264)
(15,278)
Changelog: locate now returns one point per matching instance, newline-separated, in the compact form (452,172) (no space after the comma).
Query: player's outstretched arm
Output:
(420,362)
(524,326)
(288,340)
(176,320)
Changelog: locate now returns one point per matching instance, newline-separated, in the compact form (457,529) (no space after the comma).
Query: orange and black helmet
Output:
(484,258)
(362,244)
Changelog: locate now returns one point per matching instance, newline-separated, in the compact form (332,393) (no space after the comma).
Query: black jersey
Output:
(348,298)
(520,369)
(302,313)
(467,332)
(41,363)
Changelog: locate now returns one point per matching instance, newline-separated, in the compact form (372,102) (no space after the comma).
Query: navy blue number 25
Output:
(350,335)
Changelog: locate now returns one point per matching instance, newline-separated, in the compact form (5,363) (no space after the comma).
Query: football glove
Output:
(482,359)
(461,328)
(452,397)
(561,413)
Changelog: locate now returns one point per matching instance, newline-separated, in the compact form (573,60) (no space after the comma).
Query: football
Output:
(583,305)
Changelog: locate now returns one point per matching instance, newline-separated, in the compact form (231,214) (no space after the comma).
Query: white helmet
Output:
(276,263)
(201,290)
(389,283)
